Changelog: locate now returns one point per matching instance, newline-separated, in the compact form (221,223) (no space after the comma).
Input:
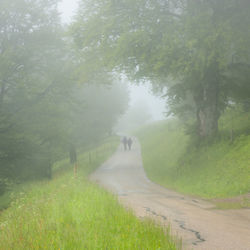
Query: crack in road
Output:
(181,225)
(155,214)
(197,234)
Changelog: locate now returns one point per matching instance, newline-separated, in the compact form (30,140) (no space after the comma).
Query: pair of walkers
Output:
(127,143)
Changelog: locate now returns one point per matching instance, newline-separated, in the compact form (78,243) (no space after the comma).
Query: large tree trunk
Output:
(207,104)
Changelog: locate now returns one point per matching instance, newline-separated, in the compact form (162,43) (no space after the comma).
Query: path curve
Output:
(194,220)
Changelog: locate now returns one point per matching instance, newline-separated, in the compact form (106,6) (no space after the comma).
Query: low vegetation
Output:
(216,170)
(72,213)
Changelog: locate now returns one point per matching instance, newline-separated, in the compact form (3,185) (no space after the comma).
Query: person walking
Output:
(130,143)
(125,142)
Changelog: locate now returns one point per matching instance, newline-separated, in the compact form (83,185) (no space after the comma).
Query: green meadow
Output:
(220,169)
(72,213)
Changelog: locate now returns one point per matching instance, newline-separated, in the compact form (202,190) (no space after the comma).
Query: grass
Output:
(72,213)
(91,159)
(244,203)
(219,170)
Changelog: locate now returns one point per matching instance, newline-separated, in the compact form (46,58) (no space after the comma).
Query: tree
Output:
(189,42)
(32,73)
(43,110)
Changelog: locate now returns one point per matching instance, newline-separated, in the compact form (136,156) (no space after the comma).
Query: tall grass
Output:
(221,169)
(71,213)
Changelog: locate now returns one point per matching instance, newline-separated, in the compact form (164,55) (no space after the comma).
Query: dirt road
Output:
(196,221)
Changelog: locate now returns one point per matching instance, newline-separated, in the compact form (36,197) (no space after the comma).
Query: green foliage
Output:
(31,55)
(201,46)
(42,109)
(220,169)
(70,213)
(234,122)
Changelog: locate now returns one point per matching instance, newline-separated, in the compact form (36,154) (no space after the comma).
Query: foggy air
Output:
(124,124)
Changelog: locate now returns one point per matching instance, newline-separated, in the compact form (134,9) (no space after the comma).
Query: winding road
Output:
(196,221)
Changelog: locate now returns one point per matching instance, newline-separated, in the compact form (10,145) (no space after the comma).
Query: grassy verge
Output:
(91,159)
(69,213)
(219,170)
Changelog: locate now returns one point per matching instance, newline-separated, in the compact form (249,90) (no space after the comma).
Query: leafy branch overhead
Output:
(193,43)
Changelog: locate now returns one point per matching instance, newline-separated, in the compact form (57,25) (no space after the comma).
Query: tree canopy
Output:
(198,49)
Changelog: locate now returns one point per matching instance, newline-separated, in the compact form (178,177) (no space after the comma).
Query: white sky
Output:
(155,104)
(68,8)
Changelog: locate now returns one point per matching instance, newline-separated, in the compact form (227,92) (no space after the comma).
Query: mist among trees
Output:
(47,101)
(136,116)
